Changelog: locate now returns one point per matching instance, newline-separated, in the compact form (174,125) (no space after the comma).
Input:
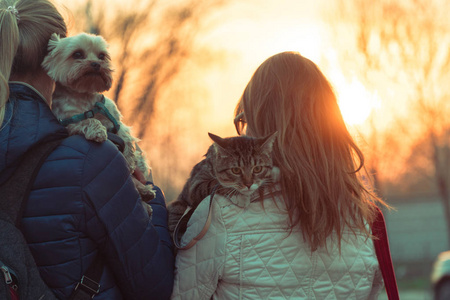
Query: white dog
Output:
(81,67)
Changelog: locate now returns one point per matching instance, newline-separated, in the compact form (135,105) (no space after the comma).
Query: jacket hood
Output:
(28,121)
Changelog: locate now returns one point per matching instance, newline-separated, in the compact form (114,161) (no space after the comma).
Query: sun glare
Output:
(305,40)
(355,101)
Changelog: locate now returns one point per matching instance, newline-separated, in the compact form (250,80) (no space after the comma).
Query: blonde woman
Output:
(310,239)
(83,206)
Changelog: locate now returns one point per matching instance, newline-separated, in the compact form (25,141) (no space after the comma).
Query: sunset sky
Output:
(252,31)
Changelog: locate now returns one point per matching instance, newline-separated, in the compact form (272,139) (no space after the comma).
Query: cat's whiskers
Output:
(230,193)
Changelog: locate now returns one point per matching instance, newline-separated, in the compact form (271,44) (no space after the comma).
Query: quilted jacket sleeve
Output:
(137,250)
(199,268)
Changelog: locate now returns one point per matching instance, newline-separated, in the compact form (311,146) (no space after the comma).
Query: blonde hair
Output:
(25,29)
(314,150)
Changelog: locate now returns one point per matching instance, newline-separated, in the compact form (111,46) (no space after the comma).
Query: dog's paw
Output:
(98,134)
(148,208)
(146,191)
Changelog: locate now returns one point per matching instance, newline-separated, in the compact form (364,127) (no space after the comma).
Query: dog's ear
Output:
(53,42)
(49,59)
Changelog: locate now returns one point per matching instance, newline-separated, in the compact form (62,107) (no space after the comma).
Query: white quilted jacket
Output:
(247,253)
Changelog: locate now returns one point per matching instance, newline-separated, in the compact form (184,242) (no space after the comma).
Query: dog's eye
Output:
(101,56)
(78,55)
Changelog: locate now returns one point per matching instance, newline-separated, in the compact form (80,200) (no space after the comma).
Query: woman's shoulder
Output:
(77,143)
(89,159)
(212,204)
(94,153)
(268,214)
(98,169)
(201,213)
(198,221)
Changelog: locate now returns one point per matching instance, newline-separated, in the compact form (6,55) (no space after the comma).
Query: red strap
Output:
(384,256)
(14,294)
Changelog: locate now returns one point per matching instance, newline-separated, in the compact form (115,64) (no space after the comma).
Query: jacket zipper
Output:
(7,278)
(7,274)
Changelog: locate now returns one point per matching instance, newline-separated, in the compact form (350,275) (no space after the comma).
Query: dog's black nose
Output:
(95,65)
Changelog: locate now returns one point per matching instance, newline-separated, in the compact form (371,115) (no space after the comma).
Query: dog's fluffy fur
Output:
(81,67)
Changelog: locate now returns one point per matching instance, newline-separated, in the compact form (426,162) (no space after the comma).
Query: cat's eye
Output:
(78,55)
(101,56)
(257,169)
(236,170)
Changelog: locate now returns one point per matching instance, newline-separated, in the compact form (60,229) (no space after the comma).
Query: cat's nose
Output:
(248,185)
(95,65)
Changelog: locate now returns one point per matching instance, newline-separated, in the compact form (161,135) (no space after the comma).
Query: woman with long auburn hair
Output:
(314,150)
(311,237)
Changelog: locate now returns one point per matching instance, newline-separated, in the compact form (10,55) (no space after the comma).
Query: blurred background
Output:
(181,66)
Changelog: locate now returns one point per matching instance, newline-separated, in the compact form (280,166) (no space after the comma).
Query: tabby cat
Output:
(240,165)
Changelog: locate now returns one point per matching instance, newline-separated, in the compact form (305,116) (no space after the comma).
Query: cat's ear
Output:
(218,140)
(268,141)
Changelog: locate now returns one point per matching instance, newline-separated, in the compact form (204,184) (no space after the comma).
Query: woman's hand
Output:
(139,175)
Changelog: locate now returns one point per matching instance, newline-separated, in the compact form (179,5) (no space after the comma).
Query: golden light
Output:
(355,101)
(305,40)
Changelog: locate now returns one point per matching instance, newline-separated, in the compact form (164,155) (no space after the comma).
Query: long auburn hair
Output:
(316,154)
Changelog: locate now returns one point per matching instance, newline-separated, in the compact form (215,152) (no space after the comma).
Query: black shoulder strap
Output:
(89,285)
(19,185)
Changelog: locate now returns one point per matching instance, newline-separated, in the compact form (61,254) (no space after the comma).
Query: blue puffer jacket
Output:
(84,202)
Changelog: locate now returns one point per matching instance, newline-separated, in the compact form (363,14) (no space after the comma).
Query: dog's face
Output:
(81,63)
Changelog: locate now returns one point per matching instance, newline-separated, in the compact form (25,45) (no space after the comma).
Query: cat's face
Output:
(243,163)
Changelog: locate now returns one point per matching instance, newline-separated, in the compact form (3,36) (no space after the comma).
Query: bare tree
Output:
(408,43)
(151,41)
(382,153)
